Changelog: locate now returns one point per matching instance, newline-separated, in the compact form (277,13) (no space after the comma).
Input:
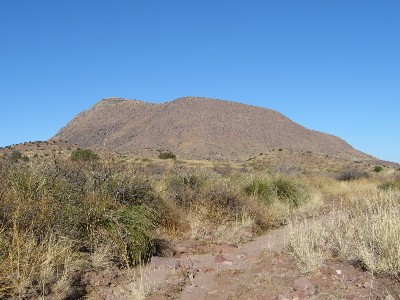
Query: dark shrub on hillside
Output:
(83,155)
(15,156)
(348,175)
(167,155)
(378,169)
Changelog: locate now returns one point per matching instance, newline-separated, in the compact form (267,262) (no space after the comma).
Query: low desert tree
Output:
(83,155)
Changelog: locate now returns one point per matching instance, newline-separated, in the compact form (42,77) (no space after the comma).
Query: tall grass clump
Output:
(56,213)
(209,203)
(366,232)
(286,190)
(393,185)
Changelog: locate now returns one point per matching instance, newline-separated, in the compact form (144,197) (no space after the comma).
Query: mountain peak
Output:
(196,127)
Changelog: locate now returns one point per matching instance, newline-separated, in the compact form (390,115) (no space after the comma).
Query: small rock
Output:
(303,284)
(219,259)
(338,272)
(158,262)
(389,297)
(208,269)
(227,263)
(242,255)
(181,249)
(367,285)
(178,254)
(208,238)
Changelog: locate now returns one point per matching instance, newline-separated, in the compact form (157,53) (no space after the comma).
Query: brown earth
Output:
(260,269)
(196,128)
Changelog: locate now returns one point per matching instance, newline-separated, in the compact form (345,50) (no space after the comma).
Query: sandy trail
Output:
(229,259)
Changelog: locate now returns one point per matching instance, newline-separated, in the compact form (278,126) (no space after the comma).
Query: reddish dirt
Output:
(259,269)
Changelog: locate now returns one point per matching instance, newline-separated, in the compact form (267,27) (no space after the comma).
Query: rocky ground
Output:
(259,269)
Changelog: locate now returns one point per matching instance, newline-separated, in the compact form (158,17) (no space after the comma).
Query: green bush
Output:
(167,155)
(261,188)
(290,191)
(286,190)
(83,155)
(378,169)
(129,233)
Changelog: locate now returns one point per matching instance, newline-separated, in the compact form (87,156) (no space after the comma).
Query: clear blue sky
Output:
(332,66)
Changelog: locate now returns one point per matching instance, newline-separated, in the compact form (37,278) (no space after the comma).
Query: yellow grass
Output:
(365,231)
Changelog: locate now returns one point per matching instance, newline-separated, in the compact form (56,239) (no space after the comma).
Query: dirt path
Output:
(227,259)
(255,270)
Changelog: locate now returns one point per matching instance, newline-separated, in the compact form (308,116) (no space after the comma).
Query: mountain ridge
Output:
(196,128)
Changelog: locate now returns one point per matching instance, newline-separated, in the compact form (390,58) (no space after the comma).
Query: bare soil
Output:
(260,269)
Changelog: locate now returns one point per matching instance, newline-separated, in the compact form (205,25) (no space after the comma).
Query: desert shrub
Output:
(185,186)
(15,156)
(43,201)
(83,155)
(378,169)
(261,188)
(223,196)
(167,155)
(284,189)
(348,175)
(130,229)
(390,185)
(290,191)
(130,190)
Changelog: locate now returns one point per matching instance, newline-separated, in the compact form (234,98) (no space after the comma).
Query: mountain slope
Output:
(196,127)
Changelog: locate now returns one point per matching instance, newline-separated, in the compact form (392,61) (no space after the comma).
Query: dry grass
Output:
(31,268)
(60,215)
(364,231)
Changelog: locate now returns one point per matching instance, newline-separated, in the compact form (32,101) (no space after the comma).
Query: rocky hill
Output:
(198,128)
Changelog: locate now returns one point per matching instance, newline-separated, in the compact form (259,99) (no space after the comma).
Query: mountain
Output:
(197,128)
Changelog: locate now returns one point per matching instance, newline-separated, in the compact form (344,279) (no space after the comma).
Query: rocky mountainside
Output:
(195,127)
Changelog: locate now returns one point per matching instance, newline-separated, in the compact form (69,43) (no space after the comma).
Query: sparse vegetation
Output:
(166,155)
(61,218)
(348,175)
(390,185)
(83,155)
(378,169)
